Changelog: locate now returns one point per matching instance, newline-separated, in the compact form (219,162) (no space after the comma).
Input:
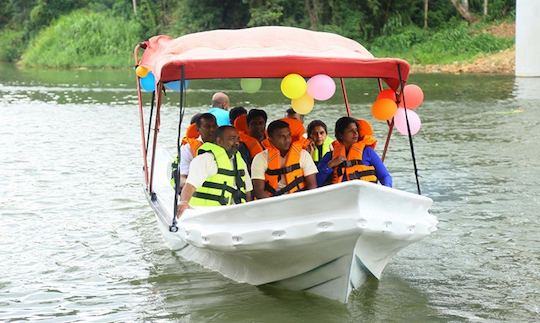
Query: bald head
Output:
(220,100)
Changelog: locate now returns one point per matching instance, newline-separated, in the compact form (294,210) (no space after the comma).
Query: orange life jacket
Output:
(252,144)
(294,174)
(366,133)
(352,168)
(191,131)
(240,123)
(194,144)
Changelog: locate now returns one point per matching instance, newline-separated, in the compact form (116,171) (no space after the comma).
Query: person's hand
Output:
(311,146)
(336,161)
(182,206)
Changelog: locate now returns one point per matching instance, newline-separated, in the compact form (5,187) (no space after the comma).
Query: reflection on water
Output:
(78,241)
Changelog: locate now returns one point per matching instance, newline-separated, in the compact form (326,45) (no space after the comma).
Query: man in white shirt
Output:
(284,167)
(206,126)
(218,176)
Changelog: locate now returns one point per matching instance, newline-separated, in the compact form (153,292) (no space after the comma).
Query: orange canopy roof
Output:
(266,52)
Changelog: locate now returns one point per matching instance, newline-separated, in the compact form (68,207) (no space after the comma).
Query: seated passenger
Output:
(354,159)
(235,113)
(256,125)
(220,105)
(298,131)
(218,175)
(291,114)
(320,148)
(284,167)
(206,126)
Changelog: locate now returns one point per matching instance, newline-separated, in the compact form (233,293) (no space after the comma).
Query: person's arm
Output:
(185,196)
(185,160)
(381,172)
(324,169)
(258,189)
(311,182)
(258,168)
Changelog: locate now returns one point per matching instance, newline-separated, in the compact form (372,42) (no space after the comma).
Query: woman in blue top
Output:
(351,158)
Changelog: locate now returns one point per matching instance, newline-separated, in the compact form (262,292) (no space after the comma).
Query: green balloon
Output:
(250,85)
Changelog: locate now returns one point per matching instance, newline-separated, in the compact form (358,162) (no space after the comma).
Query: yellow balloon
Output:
(303,105)
(141,71)
(293,86)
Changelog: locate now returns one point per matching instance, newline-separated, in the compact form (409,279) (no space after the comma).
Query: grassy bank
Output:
(457,42)
(84,39)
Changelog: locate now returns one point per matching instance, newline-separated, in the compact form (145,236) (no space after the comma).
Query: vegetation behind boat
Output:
(58,34)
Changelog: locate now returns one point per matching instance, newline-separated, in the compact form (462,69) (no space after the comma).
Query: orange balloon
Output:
(383,109)
(387,94)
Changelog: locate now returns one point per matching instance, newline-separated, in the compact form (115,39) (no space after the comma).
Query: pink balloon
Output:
(414,96)
(321,87)
(401,123)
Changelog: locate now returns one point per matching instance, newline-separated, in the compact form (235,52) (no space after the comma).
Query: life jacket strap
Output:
(283,170)
(231,173)
(225,187)
(365,173)
(206,196)
(297,181)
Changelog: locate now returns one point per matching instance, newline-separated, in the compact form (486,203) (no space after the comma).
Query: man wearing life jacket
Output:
(320,147)
(353,158)
(220,105)
(284,167)
(291,114)
(256,127)
(218,175)
(206,127)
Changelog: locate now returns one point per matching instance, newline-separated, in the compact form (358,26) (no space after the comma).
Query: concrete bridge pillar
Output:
(528,38)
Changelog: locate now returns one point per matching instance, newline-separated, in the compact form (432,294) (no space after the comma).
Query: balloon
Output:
(251,85)
(383,109)
(413,96)
(321,87)
(303,105)
(293,86)
(387,94)
(148,83)
(401,123)
(141,71)
(175,85)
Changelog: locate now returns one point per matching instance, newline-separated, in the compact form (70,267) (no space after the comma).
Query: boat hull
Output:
(324,241)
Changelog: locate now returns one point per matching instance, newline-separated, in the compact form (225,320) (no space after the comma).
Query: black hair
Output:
(195,117)
(316,123)
(221,131)
(206,116)
(236,112)
(254,113)
(276,125)
(290,111)
(341,124)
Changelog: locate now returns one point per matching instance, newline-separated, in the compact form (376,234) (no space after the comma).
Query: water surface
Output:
(79,242)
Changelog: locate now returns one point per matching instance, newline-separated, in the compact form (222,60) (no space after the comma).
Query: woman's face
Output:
(318,135)
(350,135)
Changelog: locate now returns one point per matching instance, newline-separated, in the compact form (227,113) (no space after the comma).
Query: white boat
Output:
(324,241)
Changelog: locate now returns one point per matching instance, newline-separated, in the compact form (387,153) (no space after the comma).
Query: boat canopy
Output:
(266,52)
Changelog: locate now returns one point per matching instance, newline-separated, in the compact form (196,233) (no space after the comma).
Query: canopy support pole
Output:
(345,98)
(150,120)
(159,90)
(402,86)
(390,127)
(173,227)
(141,117)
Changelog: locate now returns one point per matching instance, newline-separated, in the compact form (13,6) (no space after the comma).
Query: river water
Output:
(79,242)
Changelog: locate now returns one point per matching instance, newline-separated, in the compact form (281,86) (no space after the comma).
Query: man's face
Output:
(281,139)
(230,141)
(207,130)
(256,127)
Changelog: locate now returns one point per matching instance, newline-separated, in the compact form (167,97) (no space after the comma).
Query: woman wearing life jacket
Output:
(320,147)
(353,157)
